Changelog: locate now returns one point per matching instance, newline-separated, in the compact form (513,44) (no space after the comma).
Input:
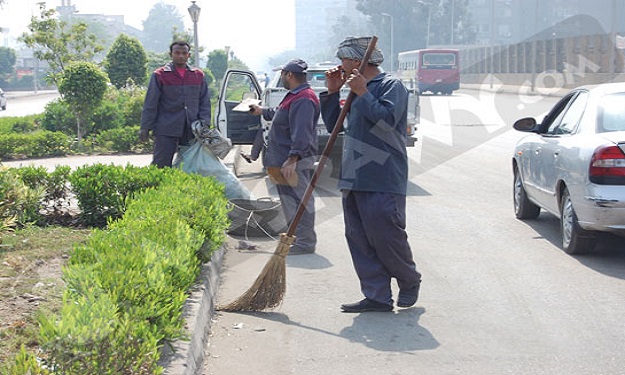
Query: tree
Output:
(157,59)
(58,43)
(82,86)
(156,37)
(353,24)
(236,63)
(7,62)
(126,60)
(217,63)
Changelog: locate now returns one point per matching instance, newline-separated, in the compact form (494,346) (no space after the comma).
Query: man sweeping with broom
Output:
(373,176)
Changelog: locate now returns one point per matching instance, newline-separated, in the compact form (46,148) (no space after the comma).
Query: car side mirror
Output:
(527,124)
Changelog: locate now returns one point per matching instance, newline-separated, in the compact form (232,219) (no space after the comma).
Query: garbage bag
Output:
(211,137)
(197,158)
(261,217)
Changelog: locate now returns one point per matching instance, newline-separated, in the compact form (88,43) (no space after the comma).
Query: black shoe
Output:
(298,250)
(366,305)
(408,297)
(246,157)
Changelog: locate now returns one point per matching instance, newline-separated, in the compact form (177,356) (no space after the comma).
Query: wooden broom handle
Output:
(326,151)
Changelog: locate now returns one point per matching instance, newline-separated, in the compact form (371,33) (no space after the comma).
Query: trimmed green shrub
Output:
(91,337)
(58,117)
(147,276)
(107,115)
(132,107)
(127,285)
(25,363)
(102,190)
(205,211)
(56,186)
(124,139)
(33,145)
(22,124)
(19,204)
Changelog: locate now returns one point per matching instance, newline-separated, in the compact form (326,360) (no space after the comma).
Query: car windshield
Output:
(612,113)
(316,79)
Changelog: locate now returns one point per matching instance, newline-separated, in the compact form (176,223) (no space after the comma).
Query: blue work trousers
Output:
(165,147)
(290,198)
(375,229)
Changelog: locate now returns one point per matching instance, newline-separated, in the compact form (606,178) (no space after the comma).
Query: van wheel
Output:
(575,240)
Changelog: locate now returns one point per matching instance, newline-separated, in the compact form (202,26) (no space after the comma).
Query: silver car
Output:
(572,165)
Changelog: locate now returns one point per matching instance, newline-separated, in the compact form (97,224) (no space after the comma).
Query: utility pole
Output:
(534,37)
(451,38)
(612,43)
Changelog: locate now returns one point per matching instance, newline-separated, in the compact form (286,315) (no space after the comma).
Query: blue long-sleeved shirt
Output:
(293,128)
(374,145)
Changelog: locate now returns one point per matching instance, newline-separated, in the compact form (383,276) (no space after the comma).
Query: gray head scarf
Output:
(354,48)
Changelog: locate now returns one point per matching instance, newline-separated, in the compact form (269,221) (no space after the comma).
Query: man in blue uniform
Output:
(374,177)
(291,148)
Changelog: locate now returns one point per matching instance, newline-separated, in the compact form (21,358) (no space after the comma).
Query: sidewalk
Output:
(187,357)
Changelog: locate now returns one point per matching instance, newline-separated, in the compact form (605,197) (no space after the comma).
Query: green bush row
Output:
(102,190)
(126,286)
(37,144)
(43,143)
(119,108)
(21,124)
(34,195)
(19,203)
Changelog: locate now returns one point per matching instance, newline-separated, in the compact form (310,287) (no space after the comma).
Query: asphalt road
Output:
(498,296)
(24,103)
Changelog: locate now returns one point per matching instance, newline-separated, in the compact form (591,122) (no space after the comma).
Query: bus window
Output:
(439,60)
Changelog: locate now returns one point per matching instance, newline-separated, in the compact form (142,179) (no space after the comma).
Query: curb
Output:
(186,356)
(24,94)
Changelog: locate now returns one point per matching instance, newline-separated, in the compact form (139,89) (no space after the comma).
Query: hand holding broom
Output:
(269,288)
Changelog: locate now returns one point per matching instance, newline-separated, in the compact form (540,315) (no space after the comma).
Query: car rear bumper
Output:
(606,202)
(601,213)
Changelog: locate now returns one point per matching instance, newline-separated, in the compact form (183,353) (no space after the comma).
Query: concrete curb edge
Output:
(186,356)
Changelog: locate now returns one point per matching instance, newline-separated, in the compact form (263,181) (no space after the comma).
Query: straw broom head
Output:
(269,288)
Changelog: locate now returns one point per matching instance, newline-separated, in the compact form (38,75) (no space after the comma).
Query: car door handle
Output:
(556,154)
(537,151)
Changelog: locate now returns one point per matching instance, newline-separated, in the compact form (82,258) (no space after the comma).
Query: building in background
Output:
(503,22)
(113,25)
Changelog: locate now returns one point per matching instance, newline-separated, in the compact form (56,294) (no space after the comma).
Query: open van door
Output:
(240,127)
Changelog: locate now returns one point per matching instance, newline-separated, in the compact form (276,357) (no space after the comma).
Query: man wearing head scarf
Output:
(374,176)
(292,147)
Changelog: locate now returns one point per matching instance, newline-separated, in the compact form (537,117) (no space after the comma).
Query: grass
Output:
(31,261)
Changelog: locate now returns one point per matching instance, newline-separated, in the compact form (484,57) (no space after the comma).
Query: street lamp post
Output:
(392,52)
(427,36)
(451,37)
(194,11)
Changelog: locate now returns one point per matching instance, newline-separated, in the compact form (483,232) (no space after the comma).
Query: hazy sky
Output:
(254,30)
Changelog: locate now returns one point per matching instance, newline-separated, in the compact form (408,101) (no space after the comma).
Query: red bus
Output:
(433,70)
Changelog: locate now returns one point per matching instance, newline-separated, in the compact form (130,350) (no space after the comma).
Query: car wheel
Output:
(523,207)
(575,240)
